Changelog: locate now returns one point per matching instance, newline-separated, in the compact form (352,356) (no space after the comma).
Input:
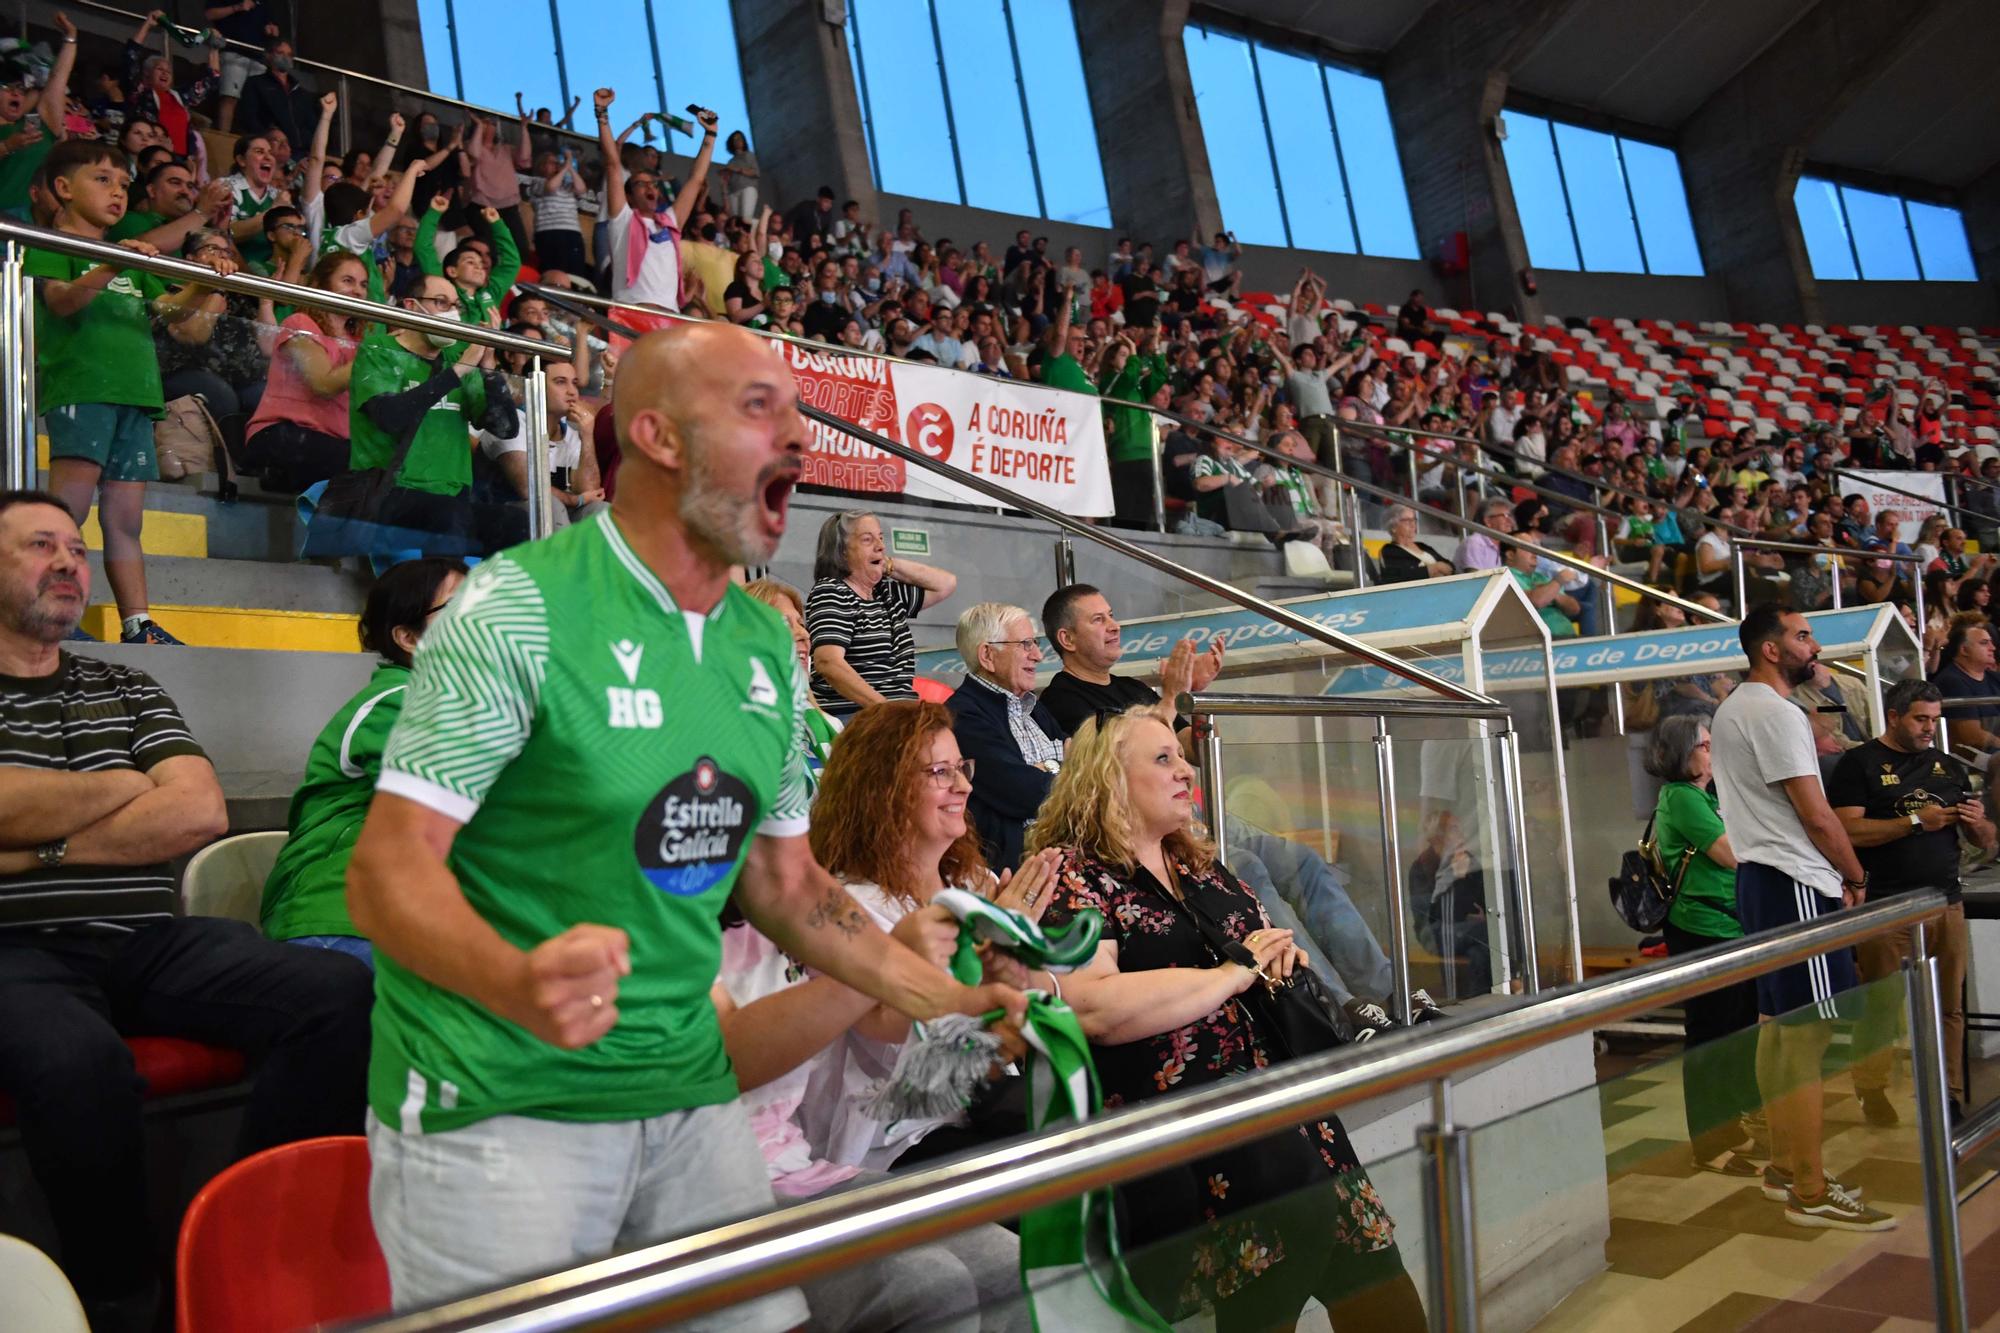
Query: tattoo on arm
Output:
(836,909)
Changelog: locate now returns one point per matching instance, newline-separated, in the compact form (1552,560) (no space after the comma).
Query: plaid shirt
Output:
(1037,750)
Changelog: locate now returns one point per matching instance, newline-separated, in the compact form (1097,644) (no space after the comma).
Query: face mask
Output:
(280,64)
(776,248)
(428,134)
(874,284)
(443,339)
(827,297)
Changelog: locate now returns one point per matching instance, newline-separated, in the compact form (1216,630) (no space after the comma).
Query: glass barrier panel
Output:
(1653,1200)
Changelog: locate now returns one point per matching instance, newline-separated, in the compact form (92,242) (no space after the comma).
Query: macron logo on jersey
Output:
(628,655)
(631,709)
(762,690)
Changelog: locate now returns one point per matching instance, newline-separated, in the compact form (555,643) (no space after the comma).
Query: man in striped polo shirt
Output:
(101,785)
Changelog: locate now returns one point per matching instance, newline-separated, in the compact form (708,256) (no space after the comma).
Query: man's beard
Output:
(1801,674)
(42,619)
(724,522)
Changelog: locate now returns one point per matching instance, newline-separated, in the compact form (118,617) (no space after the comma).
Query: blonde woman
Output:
(1252,1230)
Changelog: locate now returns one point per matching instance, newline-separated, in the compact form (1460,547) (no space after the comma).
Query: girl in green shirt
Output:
(1719,1070)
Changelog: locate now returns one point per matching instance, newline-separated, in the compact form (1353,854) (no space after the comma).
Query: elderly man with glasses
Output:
(1013,740)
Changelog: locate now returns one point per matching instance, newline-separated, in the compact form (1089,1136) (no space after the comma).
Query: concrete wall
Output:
(1632,296)
(1947,303)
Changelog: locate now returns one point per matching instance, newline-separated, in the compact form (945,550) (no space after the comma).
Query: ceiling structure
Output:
(1931,114)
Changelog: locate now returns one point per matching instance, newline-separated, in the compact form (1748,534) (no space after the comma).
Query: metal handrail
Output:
(723,1266)
(1327,705)
(1802,548)
(249,284)
(1372,431)
(424,94)
(1977,1132)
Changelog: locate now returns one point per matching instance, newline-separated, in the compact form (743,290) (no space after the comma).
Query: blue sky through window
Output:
(1581,187)
(1854,233)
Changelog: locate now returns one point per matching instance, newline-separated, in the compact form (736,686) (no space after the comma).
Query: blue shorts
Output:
(119,439)
(1767,898)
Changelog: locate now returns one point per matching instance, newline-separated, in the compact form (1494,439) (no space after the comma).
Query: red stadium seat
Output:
(931,691)
(170,1066)
(282,1240)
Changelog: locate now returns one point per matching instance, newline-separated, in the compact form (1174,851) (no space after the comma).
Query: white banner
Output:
(1910,513)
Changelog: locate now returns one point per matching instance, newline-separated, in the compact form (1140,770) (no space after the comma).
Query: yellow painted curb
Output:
(241,627)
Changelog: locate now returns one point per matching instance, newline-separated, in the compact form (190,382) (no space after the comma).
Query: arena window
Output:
(1855,233)
(1329,177)
(1599,202)
(947,117)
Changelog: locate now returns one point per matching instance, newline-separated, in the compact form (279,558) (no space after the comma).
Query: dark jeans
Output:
(67,997)
(452,524)
(224,399)
(561,251)
(1132,492)
(291,457)
(1719,1070)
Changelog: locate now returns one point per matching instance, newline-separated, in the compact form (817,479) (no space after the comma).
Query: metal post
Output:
(1509,758)
(1840,569)
(1742,592)
(1211,781)
(1448,1218)
(347,124)
(1940,1164)
(1917,593)
(1159,483)
(1415,487)
(17,369)
(1602,590)
(541,499)
(1354,531)
(1392,870)
(1458,479)
(1065,562)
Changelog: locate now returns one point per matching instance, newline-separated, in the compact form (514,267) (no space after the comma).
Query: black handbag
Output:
(1298,1015)
(1642,893)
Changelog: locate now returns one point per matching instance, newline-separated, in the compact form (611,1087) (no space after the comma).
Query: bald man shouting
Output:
(601,743)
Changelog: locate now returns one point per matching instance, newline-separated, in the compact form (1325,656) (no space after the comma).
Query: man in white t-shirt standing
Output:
(645,232)
(1793,863)
(574,482)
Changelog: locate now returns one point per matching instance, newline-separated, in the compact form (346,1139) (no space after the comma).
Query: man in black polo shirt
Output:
(100,785)
(1967,673)
(1079,623)
(1903,803)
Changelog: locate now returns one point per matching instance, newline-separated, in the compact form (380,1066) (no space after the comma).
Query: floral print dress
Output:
(1252,1198)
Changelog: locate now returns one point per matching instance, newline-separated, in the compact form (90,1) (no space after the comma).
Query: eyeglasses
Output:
(941,775)
(1025,645)
(291,227)
(436,304)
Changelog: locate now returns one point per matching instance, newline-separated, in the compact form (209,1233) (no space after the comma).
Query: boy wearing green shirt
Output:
(480,292)
(98,376)
(1128,431)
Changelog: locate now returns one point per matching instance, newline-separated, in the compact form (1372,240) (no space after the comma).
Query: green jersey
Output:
(104,352)
(306,893)
(136,223)
(609,758)
(478,305)
(1299,491)
(440,457)
(18,168)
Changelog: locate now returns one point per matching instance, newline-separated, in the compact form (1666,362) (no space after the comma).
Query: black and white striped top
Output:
(873,634)
(87,717)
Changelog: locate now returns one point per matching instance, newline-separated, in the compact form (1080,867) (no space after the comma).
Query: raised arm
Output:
(55,94)
(523,151)
(316,156)
(607,148)
(937,584)
(382,219)
(697,180)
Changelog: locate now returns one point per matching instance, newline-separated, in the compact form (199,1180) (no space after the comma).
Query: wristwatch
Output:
(1916,821)
(51,854)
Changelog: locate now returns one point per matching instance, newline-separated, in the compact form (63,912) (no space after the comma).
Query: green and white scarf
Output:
(1073,1274)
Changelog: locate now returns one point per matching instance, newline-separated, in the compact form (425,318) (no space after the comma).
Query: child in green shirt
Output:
(98,378)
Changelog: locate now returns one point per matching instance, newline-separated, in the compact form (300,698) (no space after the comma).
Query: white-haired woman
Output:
(1719,1074)
(1406,559)
(858,615)
(1253,1230)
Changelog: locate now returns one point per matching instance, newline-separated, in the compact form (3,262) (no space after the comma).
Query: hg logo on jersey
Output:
(693,830)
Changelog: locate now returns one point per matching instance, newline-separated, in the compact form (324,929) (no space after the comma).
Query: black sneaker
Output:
(1368,1018)
(150,632)
(1835,1209)
(1778,1185)
(1423,1009)
(1876,1107)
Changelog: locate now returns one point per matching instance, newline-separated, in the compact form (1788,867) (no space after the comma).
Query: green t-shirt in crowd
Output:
(478,305)
(440,457)
(136,223)
(1560,625)
(306,892)
(1299,491)
(1685,817)
(609,759)
(17,169)
(1064,372)
(244,203)
(104,352)
(1128,434)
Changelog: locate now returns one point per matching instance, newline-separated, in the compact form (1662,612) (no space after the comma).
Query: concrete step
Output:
(241,603)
